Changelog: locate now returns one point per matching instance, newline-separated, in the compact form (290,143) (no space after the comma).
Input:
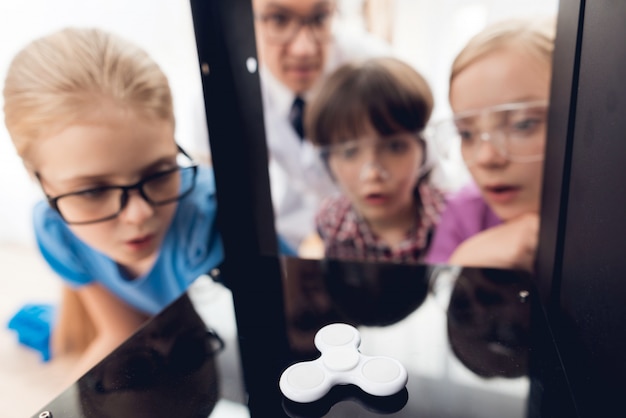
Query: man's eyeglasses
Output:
(281,27)
(516,131)
(102,203)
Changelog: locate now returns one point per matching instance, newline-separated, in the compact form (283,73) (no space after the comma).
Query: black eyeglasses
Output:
(281,27)
(102,203)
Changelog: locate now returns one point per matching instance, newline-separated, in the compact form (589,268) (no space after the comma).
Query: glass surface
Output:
(463,335)
(474,343)
(183,363)
(425,34)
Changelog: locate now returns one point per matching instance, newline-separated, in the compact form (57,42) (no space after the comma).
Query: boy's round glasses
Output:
(102,203)
(382,154)
(515,130)
(281,27)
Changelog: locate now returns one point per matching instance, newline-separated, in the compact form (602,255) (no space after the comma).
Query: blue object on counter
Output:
(33,324)
(285,249)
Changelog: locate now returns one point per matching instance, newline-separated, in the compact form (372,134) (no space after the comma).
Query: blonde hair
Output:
(62,78)
(535,35)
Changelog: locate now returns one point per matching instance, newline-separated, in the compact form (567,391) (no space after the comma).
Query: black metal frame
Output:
(581,264)
(226,46)
(557,164)
(225,41)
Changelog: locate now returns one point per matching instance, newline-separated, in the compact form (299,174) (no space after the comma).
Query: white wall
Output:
(429,33)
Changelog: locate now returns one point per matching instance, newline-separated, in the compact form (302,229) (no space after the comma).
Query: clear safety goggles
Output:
(517,131)
(381,156)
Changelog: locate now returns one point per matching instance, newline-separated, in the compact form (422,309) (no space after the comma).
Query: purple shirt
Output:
(465,215)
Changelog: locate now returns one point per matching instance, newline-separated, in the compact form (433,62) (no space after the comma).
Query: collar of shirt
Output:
(348,235)
(355,230)
(276,94)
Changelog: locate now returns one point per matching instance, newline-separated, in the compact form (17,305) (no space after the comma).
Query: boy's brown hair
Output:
(383,92)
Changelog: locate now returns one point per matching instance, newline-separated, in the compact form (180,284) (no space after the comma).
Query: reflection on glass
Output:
(346,401)
(375,294)
(166,370)
(461,333)
(319,293)
(487,310)
(489,322)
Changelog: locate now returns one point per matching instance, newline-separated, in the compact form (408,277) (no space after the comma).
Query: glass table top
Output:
(475,343)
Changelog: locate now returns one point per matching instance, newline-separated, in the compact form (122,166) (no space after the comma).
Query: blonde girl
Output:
(128,219)
(499,94)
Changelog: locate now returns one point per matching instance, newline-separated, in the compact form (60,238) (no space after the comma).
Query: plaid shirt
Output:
(347,235)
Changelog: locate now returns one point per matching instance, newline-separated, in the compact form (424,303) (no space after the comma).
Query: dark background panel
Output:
(590,327)
(562,115)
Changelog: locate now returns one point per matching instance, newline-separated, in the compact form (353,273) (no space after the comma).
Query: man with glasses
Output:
(297,45)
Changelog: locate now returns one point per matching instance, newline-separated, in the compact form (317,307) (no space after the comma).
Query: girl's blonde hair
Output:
(62,78)
(535,35)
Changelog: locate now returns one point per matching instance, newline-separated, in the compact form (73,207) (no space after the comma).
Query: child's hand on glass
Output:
(510,245)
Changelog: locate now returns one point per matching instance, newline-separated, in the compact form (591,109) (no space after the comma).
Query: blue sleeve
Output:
(194,244)
(215,249)
(58,245)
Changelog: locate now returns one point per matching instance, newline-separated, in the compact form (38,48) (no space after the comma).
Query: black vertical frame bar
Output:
(226,46)
(556,393)
(556,175)
(581,260)
(225,41)
(589,327)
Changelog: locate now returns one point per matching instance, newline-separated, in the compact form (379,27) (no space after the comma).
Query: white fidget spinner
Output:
(341,363)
